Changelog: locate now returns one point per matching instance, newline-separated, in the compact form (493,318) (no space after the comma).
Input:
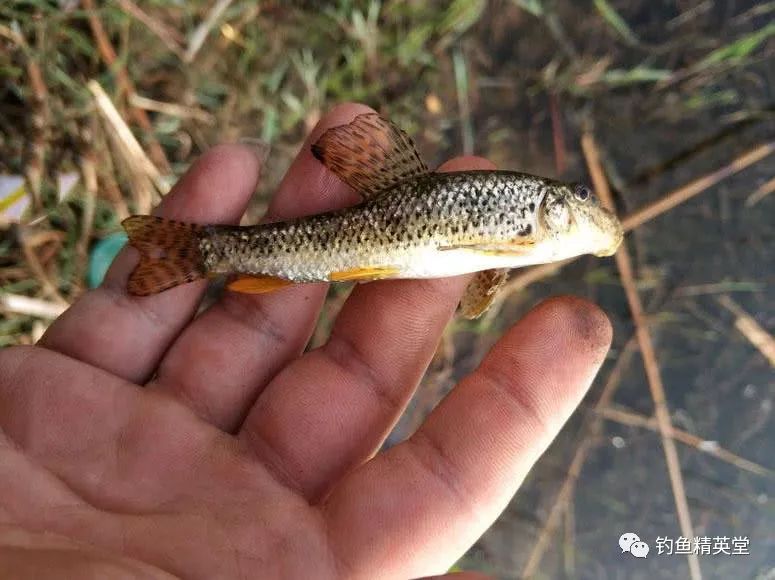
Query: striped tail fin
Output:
(169,254)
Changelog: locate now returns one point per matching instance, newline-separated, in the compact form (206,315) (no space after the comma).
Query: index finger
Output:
(451,479)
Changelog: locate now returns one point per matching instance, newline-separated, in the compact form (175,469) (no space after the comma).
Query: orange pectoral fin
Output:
(363,274)
(258,284)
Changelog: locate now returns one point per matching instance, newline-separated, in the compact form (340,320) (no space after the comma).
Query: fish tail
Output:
(169,254)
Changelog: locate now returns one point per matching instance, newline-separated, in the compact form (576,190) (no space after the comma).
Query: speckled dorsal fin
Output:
(481,292)
(370,154)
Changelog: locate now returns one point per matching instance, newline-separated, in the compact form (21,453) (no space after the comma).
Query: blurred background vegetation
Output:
(104,104)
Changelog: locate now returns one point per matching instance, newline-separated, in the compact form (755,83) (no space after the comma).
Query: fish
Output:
(413,223)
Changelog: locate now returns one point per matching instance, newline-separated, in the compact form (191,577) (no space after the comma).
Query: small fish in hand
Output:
(413,223)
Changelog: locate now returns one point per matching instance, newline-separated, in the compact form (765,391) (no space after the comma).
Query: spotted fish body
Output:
(413,223)
(419,228)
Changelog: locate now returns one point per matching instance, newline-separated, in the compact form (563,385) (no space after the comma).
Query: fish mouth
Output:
(615,241)
(609,251)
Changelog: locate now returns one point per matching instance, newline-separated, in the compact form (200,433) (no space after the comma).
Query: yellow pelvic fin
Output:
(258,284)
(363,274)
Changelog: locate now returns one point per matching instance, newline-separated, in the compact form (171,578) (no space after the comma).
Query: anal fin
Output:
(481,291)
(257,284)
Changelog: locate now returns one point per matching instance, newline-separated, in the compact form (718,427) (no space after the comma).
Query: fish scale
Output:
(434,211)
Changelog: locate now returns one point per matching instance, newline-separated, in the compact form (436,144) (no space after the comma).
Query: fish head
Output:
(572,216)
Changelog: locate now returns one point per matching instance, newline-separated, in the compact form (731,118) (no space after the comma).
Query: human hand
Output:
(244,457)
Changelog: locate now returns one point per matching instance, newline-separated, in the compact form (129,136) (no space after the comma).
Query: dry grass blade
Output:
(89,173)
(697,186)
(200,34)
(33,263)
(718,288)
(650,363)
(107,173)
(108,54)
(761,192)
(558,135)
(710,447)
(15,303)
(652,210)
(171,38)
(38,330)
(569,540)
(142,171)
(588,431)
(172,109)
(532,275)
(750,329)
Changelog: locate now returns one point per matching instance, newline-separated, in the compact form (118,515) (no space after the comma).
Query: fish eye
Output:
(582,192)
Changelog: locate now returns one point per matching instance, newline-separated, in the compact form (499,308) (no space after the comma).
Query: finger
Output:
(450,480)
(332,409)
(243,340)
(126,335)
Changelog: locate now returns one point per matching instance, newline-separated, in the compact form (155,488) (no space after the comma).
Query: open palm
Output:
(242,457)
